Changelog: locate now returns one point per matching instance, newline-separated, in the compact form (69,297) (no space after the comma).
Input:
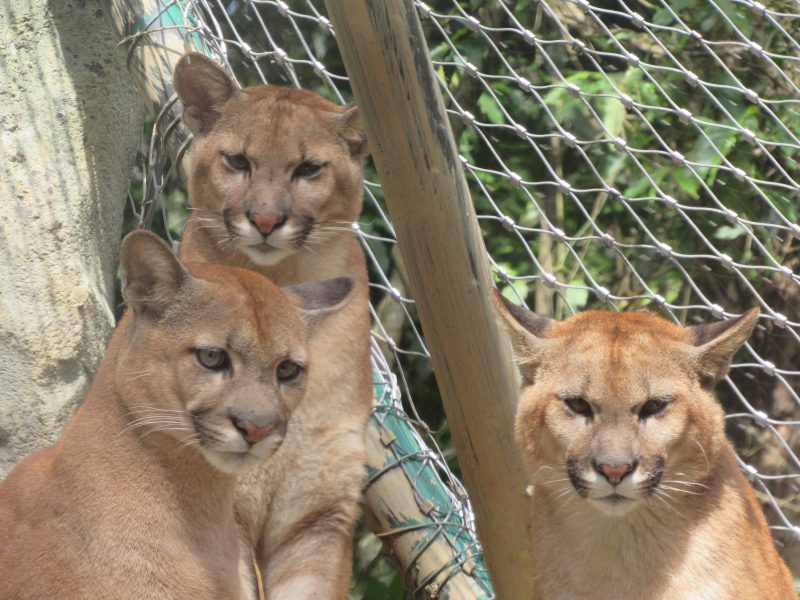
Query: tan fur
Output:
(689,525)
(126,504)
(299,512)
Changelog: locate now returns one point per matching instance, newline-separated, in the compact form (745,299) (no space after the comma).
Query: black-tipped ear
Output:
(152,273)
(525,327)
(348,123)
(202,86)
(716,343)
(318,299)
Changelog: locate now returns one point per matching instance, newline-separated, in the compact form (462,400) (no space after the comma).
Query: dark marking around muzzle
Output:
(650,484)
(573,472)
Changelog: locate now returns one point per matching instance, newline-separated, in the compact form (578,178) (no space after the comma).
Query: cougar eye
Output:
(213,359)
(307,170)
(237,162)
(579,406)
(654,407)
(288,370)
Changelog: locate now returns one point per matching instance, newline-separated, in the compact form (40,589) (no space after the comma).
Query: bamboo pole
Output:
(386,57)
(421,523)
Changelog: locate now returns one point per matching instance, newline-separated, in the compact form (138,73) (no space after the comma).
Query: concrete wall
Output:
(70,122)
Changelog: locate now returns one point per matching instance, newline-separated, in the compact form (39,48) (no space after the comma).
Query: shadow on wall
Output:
(111,113)
(71,122)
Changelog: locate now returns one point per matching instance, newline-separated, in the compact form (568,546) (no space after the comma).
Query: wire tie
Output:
(468,567)
(426,506)
(388,438)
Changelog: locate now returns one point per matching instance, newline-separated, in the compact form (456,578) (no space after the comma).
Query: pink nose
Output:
(266,223)
(252,432)
(614,473)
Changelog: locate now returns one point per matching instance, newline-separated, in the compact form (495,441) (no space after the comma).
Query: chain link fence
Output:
(621,155)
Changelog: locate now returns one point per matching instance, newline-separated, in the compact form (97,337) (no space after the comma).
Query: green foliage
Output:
(666,157)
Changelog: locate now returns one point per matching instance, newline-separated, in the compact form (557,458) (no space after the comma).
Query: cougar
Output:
(135,499)
(275,183)
(637,494)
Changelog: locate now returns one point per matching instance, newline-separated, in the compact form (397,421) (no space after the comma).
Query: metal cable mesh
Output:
(691,230)
(633,154)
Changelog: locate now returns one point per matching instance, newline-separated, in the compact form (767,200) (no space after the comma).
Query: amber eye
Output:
(287,371)
(579,406)
(237,162)
(654,407)
(307,170)
(213,359)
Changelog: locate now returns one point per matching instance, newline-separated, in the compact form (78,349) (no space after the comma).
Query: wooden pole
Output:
(386,57)
(408,507)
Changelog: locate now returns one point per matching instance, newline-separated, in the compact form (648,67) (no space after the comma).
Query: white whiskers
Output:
(155,419)
(703,450)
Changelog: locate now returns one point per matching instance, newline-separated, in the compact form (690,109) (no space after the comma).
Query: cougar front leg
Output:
(314,561)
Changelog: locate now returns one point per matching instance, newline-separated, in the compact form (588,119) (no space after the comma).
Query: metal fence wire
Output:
(621,154)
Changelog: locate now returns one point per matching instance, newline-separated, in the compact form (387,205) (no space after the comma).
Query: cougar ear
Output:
(348,123)
(152,274)
(716,343)
(526,329)
(319,299)
(203,87)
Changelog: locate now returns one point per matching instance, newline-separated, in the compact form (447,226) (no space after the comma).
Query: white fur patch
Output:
(266,257)
(238,457)
(278,246)
(303,587)
(601,492)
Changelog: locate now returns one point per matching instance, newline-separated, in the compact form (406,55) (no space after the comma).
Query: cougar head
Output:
(273,170)
(618,408)
(215,357)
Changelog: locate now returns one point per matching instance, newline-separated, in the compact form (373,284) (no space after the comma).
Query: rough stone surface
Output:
(70,121)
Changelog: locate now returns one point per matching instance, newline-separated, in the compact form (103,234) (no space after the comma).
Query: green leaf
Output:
(440,51)
(741,20)
(515,290)
(728,233)
(613,116)
(710,149)
(679,5)
(468,143)
(488,106)
(640,186)
(577,297)
(662,17)
(688,182)
(530,216)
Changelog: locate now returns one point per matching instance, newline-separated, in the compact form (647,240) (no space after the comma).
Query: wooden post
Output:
(386,57)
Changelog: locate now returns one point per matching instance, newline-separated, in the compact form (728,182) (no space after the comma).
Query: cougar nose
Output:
(266,224)
(254,431)
(614,473)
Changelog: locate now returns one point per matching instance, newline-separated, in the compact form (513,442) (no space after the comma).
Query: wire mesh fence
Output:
(645,155)
(621,155)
